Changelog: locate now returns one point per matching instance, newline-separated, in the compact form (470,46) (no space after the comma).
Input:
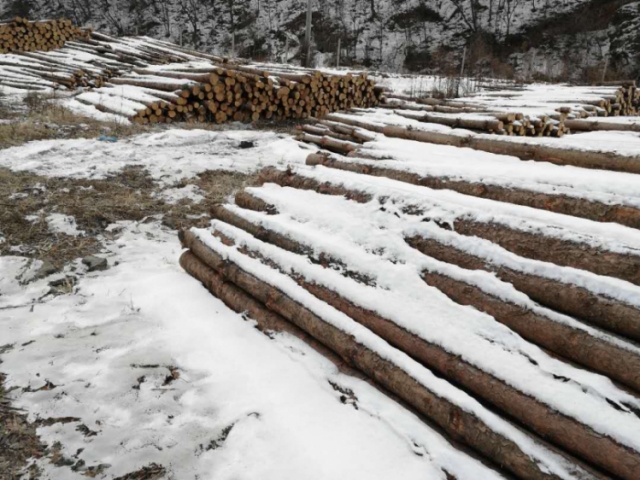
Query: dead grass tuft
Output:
(95,204)
(18,439)
(40,117)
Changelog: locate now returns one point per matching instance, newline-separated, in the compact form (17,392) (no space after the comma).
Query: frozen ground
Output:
(108,353)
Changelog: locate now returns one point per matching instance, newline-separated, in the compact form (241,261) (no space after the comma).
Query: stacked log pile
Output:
(84,62)
(352,291)
(613,100)
(525,149)
(151,81)
(21,35)
(241,93)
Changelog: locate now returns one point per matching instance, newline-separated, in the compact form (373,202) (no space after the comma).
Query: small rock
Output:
(46,269)
(95,264)
(63,282)
(247,144)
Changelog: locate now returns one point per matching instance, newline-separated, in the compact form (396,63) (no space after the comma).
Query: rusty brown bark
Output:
(606,313)
(457,422)
(577,207)
(554,250)
(579,346)
(525,151)
(529,245)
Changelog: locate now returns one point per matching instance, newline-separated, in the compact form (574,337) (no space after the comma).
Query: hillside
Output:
(503,37)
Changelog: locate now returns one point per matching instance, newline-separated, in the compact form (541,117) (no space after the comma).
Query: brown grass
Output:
(95,204)
(40,117)
(18,439)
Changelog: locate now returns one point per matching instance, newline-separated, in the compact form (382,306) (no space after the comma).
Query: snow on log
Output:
(579,294)
(592,210)
(601,353)
(525,149)
(463,418)
(514,235)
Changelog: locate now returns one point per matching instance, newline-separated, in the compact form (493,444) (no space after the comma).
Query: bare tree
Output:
(191,10)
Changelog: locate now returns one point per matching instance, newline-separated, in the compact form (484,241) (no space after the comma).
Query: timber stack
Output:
(21,35)
(241,93)
(306,255)
(485,113)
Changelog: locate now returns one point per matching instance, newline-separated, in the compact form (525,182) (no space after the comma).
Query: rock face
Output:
(528,38)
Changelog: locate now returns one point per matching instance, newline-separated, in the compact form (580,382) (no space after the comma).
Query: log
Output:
(586,126)
(529,245)
(458,422)
(577,207)
(579,302)
(537,152)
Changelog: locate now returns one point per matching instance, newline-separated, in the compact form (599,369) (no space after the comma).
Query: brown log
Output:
(538,152)
(579,302)
(529,245)
(577,207)
(457,422)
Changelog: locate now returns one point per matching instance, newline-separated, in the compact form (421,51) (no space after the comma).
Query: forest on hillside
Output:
(532,39)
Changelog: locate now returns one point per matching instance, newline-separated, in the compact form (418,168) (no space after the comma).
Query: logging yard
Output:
(217,268)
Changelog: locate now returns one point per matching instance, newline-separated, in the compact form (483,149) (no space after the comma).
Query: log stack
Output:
(573,105)
(306,253)
(22,35)
(241,93)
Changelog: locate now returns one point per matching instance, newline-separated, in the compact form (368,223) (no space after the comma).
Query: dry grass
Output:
(18,439)
(40,117)
(95,204)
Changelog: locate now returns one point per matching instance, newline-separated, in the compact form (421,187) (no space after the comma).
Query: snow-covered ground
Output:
(168,155)
(153,368)
(107,350)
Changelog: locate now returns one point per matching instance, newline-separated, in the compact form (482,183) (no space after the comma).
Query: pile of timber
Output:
(370,300)
(242,93)
(331,136)
(90,61)
(607,100)
(21,35)
(130,79)
(457,114)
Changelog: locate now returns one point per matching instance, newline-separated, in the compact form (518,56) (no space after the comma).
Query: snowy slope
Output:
(412,34)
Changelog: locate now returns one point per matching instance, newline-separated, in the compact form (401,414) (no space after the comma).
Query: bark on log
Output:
(525,151)
(609,314)
(538,247)
(577,207)
(457,422)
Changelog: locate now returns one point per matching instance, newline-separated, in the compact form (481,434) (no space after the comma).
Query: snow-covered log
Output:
(592,210)
(461,417)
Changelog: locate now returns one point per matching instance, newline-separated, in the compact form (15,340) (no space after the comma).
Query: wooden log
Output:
(331,144)
(607,313)
(577,207)
(529,245)
(588,126)
(465,427)
(525,151)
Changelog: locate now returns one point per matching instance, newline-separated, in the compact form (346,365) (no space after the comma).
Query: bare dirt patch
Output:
(18,439)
